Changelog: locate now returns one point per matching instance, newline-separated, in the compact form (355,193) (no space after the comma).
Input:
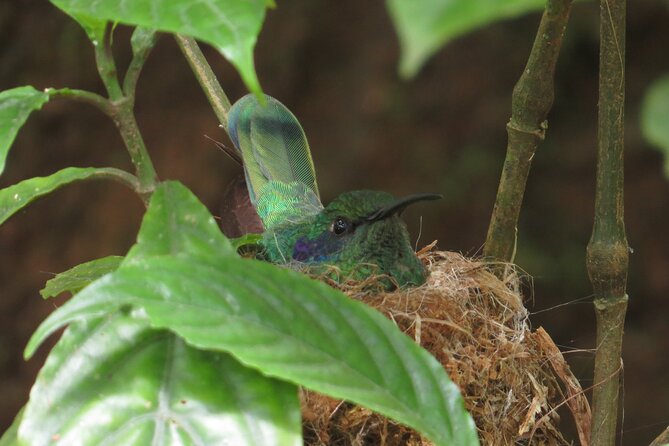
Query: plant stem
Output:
(205,76)
(143,40)
(132,137)
(662,439)
(122,113)
(88,97)
(104,59)
(532,100)
(120,176)
(608,254)
(610,314)
(129,130)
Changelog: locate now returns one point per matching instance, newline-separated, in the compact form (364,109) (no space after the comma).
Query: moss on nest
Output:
(512,378)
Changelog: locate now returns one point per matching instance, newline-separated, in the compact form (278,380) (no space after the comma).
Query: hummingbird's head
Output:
(362,234)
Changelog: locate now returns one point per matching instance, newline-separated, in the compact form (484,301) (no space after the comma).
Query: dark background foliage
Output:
(334,65)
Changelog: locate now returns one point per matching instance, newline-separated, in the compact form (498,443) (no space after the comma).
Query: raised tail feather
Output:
(279,171)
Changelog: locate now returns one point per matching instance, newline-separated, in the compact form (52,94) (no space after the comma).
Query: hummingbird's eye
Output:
(340,226)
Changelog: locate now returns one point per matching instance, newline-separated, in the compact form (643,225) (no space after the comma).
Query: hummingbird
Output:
(357,235)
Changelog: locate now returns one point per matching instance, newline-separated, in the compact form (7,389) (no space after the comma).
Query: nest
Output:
(512,379)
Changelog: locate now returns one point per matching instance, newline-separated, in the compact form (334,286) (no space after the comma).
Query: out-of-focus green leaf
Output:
(15,107)
(424,26)
(246,240)
(115,381)
(74,279)
(10,437)
(278,321)
(655,118)
(232,26)
(14,198)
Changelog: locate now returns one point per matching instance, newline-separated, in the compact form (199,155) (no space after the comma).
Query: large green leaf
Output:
(115,381)
(655,118)
(232,26)
(423,26)
(74,279)
(276,320)
(15,107)
(14,198)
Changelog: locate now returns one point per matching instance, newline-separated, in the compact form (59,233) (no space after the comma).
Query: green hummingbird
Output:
(358,234)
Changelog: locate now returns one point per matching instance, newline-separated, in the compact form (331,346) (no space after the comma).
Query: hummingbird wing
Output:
(279,171)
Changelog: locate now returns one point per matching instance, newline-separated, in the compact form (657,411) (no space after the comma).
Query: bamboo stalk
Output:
(607,253)
(532,100)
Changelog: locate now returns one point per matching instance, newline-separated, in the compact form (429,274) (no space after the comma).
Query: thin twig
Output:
(120,176)
(104,60)
(206,77)
(143,41)
(122,113)
(87,97)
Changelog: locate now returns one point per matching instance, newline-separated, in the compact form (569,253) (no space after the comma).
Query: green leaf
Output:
(282,323)
(93,26)
(74,279)
(10,437)
(231,26)
(424,26)
(115,381)
(15,107)
(287,326)
(655,118)
(246,240)
(14,198)
(177,223)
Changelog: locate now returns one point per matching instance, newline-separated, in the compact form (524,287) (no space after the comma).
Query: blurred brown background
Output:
(334,65)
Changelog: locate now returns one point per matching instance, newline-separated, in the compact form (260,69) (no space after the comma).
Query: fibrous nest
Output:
(512,379)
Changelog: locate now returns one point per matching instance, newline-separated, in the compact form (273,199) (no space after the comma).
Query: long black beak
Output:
(398,206)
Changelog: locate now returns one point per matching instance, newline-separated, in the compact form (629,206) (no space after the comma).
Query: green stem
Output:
(120,176)
(531,102)
(127,125)
(608,254)
(122,113)
(143,40)
(87,97)
(205,76)
(104,59)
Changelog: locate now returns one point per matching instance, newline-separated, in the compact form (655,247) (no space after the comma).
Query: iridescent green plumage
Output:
(277,161)
(377,247)
(359,233)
